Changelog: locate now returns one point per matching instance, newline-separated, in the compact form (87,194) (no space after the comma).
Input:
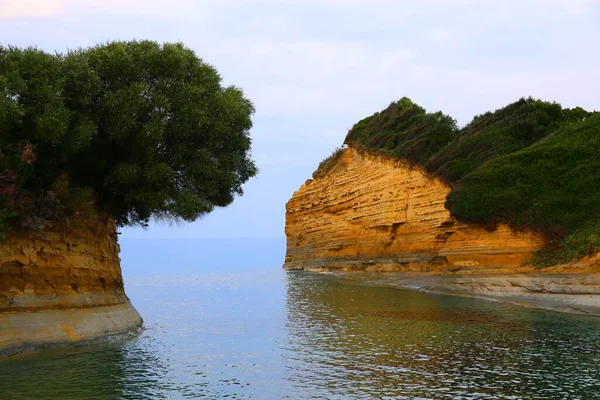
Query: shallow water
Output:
(263,333)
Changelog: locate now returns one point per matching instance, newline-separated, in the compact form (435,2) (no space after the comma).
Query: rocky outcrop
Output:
(376,214)
(62,286)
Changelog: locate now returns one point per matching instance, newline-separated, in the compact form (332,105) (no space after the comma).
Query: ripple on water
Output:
(299,335)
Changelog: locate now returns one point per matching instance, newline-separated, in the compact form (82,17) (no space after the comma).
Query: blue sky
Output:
(315,67)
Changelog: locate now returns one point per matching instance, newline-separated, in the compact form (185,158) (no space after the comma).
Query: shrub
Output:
(404,130)
(552,186)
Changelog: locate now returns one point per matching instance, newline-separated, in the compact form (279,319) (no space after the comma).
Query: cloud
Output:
(311,77)
(444,37)
(53,8)
(56,8)
(288,73)
(270,24)
(396,57)
(580,7)
(30,8)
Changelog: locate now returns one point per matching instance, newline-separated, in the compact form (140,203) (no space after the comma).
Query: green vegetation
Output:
(133,130)
(404,130)
(328,163)
(491,135)
(532,165)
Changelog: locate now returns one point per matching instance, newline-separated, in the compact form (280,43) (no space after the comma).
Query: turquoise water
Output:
(246,331)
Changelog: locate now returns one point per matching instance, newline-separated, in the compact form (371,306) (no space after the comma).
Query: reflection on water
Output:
(98,372)
(272,335)
(348,340)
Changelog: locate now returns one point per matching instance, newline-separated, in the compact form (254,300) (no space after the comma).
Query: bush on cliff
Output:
(532,165)
(328,163)
(138,129)
(552,186)
(404,130)
(491,135)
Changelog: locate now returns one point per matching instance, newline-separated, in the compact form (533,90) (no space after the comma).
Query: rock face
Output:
(61,286)
(375,214)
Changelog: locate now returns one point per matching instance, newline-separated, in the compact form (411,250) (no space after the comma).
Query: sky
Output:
(315,67)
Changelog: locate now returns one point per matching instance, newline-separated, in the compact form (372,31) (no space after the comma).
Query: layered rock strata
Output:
(61,286)
(375,214)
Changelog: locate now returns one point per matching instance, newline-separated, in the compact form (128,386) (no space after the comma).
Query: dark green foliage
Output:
(147,129)
(493,134)
(404,130)
(532,164)
(552,186)
(5,214)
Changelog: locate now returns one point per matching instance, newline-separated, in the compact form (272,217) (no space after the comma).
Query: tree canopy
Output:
(135,129)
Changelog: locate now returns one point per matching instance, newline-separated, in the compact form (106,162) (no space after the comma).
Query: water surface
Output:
(252,332)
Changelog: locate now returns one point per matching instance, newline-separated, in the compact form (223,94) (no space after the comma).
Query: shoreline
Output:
(30,331)
(557,292)
(573,293)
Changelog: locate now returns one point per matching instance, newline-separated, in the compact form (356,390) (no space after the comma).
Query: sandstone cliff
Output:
(371,213)
(376,214)
(61,286)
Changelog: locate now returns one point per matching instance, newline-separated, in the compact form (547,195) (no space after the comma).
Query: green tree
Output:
(140,129)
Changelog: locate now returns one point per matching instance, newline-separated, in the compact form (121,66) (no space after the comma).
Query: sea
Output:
(224,321)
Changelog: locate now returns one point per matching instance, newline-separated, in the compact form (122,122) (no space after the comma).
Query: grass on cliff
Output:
(404,130)
(532,165)
(328,163)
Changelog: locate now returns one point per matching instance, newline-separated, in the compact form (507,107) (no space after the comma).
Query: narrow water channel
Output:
(268,334)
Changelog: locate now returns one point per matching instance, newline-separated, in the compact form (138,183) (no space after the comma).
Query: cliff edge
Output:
(377,214)
(61,286)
